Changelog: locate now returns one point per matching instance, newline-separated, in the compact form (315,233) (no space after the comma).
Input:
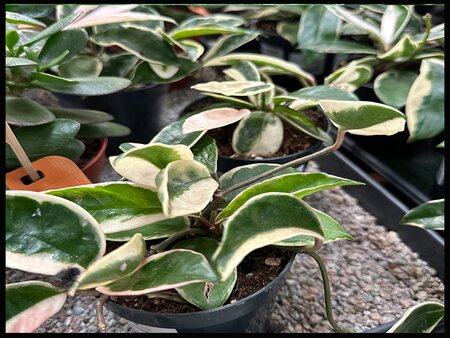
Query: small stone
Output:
(315,319)
(374,316)
(405,303)
(273,261)
(421,295)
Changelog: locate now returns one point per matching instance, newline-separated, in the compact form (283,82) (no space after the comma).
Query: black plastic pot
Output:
(248,315)
(388,209)
(139,109)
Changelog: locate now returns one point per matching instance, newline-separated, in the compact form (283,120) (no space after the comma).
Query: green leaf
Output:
(53,29)
(207,295)
(154,50)
(316,93)
(185,187)
(421,318)
(117,207)
(24,112)
(17,18)
(233,100)
(33,11)
(245,71)
(425,103)
(227,44)
(394,20)
(82,116)
(163,271)
(225,20)
(363,117)
(436,33)
(73,40)
(234,88)
(189,32)
(46,234)
(141,165)
(11,39)
(192,48)
(350,77)
(297,184)
(156,230)
(441,145)
(404,49)
(53,79)
(258,133)
(332,230)
(88,86)
(29,304)
(213,118)
(340,47)
(263,60)
(244,173)
(81,66)
(173,134)
(103,129)
(392,87)
(119,64)
(205,151)
(288,31)
(18,62)
(428,215)
(117,264)
(257,224)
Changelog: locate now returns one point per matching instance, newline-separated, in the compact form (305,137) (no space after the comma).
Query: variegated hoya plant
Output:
(182,228)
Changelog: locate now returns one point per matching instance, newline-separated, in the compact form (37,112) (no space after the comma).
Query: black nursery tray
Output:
(388,209)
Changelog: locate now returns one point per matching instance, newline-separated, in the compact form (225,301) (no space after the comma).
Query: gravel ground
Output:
(374,278)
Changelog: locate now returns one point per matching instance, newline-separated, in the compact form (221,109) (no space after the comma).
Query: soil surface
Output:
(256,271)
(92,147)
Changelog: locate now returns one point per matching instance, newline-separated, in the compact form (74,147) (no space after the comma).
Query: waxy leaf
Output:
(189,32)
(33,11)
(103,129)
(24,112)
(160,229)
(350,77)
(82,116)
(117,207)
(119,64)
(213,118)
(312,95)
(88,86)
(185,187)
(141,165)
(246,172)
(117,264)
(341,47)
(89,21)
(421,318)
(392,87)
(163,271)
(428,215)
(81,66)
(46,234)
(192,48)
(173,134)
(227,44)
(258,223)
(17,18)
(363,117)
(404,49)
(205,151)
(234,88)
(332,230)
(29,304)
(258,133)
(207,295)
(45,78)
(235,102)
(154,49)
(18,62)
(225,20)
(72,40)
(394,20)
(297,184)
(425,103)
(288,31)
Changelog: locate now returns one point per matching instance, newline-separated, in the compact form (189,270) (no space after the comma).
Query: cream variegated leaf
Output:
(234,88)
(213,118)
(163,71)
(352,77)
(404,49)
(394,20)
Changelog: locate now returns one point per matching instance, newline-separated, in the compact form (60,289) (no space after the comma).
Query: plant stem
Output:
(296,162)
(427,19)
(100,315)
(327,292)
(166,295)
(164,244)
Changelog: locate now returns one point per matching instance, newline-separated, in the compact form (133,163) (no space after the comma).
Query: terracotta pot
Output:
(93,169)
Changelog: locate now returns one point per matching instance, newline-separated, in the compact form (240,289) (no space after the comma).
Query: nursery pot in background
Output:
(94,167)
(248,315)
(139,109)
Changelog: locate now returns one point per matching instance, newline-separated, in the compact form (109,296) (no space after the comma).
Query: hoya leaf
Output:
(428,215)
(392,87)
(46,79)
(394,20)
(103,129)
(18,62)
(213,118)
(234,88)
(234,101)
(72,40)
(404,49)
(189,32)
(46,234)
(185,187)
(81,66)
(421,318)
(340,47)
(205,151)
(226,20)
(288,31)
(24,112)
(17,18)
(227,44)
(173,134)
(350,77)
(83,116)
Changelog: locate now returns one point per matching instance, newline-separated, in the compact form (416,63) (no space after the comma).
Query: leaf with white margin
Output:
(394,20)
(421,318)
(234,88)
(189,32)
(332,230)
(18,62)
(428,215)
(233,100)
(173,134)
(351,77)
(436,33)
(288,31)
(117,264)
(117,18)
(207,295)
(392,87)
(117,206)
(226,20)
(185,187)
(213,118)
(341,47)
(163,71)
(17,18)
(29,304)
(141,165)
(297,184)
(425,102)
(404,49)
(258,133)
(205,151)
(227,44)
(46,234)
(192,48)
(364,117)
(263,60)
(166,270)
(263,220)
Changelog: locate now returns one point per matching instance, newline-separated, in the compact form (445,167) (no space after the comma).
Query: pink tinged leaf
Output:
(214,118)
(100,12)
